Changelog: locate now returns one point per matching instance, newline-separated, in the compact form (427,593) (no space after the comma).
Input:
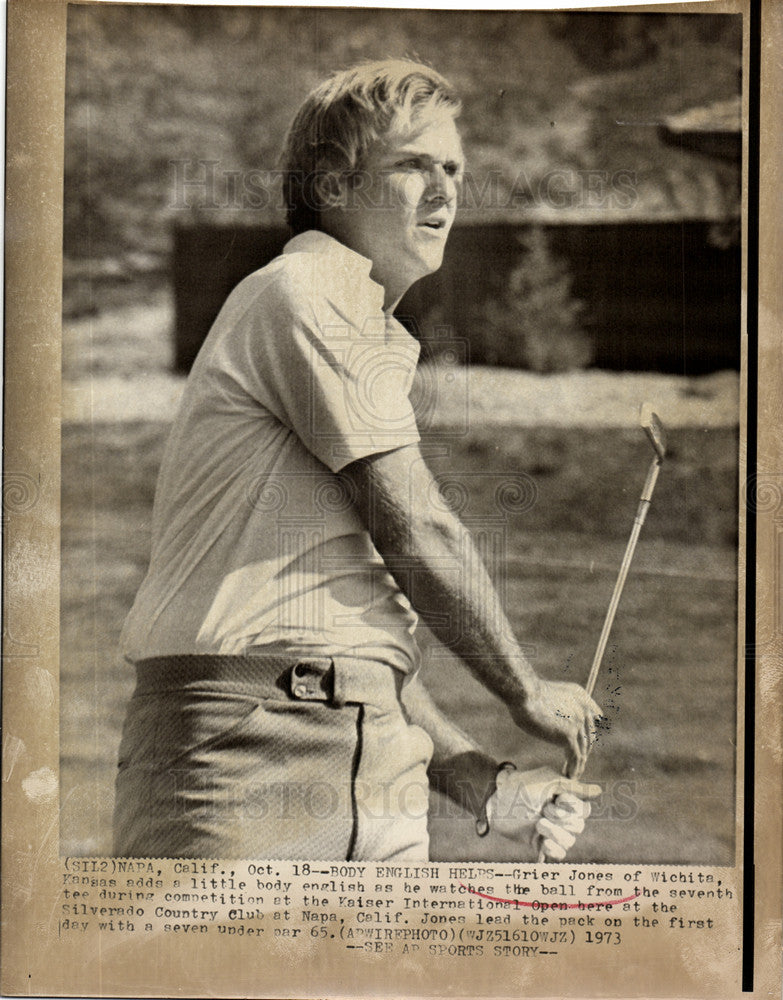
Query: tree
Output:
(536,324)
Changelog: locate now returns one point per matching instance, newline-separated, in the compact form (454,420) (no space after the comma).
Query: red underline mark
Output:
(535,904)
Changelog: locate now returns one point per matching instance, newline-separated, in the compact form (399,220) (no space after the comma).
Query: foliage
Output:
(536,322)
(603,40)
(152,90)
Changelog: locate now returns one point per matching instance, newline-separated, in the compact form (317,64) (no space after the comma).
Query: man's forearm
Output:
(434,559)
(459,768)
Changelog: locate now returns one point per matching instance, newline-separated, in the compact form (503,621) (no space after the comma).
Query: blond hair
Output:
(340,120)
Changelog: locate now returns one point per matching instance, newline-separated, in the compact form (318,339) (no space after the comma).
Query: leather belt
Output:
(337,680)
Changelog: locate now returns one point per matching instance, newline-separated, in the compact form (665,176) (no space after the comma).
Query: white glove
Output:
(541,804)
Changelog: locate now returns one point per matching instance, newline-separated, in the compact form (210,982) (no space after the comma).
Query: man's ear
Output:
(331,190)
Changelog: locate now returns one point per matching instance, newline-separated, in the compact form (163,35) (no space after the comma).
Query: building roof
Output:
(714,129)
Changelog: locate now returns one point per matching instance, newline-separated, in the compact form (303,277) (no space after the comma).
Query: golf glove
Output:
(540,805)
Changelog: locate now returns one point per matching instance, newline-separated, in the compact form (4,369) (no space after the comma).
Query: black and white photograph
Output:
(392,510)
(386,336)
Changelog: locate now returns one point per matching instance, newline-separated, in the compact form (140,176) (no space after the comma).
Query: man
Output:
(296,527)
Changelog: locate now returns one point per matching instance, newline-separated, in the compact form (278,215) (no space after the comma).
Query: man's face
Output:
(400,208)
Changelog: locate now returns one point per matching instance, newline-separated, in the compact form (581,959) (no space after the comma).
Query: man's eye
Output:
(414,163)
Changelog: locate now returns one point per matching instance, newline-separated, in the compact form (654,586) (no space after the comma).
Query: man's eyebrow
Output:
(412,153)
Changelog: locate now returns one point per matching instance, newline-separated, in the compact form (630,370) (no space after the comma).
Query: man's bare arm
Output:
(433,559)
(459,768)
(537,808)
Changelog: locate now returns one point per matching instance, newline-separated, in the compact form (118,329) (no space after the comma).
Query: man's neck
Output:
(390,299)
(392,292)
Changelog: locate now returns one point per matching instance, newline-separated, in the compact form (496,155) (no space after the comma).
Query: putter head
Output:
(653,428)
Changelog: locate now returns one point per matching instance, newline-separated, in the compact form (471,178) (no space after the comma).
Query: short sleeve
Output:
(338,376)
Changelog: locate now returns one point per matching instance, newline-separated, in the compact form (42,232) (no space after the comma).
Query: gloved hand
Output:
(540,806)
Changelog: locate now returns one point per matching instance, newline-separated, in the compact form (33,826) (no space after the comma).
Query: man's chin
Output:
(430,261)
(419,263)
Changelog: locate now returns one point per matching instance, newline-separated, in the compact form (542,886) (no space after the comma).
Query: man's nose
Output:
(441,187)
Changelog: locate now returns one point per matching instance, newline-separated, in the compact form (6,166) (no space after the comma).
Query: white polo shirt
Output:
(255,542)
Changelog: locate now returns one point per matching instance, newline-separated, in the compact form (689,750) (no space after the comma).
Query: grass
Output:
(668,683)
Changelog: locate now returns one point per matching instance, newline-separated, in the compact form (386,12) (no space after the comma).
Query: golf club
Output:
(651,425)
(653,428)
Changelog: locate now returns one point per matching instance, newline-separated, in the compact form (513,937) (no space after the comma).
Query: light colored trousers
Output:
(263,757)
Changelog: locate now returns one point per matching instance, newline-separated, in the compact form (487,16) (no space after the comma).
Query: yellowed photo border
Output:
(35,961)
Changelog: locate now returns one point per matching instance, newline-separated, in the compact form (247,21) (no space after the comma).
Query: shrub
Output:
(535,322)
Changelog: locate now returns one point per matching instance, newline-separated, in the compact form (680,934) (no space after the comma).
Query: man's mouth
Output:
(434,224)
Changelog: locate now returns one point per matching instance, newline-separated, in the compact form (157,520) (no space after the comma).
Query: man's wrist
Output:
(524,682)
(465,777)
(483,819)
(531,685)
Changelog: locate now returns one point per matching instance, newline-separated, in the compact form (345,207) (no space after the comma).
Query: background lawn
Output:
(668,681)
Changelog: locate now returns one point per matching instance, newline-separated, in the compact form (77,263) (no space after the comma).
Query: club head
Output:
(653,428)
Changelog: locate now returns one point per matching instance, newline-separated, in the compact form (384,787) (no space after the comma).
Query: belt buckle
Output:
(312,679)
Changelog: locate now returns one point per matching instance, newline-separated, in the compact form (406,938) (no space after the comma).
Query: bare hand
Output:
(562,713)
(540,805)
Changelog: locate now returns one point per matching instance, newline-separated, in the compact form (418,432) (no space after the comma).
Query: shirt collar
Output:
(318,242)
(341,258)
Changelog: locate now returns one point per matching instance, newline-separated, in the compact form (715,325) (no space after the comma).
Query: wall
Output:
(659,296)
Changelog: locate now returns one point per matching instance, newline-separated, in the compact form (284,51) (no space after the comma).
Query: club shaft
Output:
(641,514)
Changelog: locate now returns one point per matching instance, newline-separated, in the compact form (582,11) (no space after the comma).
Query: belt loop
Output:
(312,679)
(338,684)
